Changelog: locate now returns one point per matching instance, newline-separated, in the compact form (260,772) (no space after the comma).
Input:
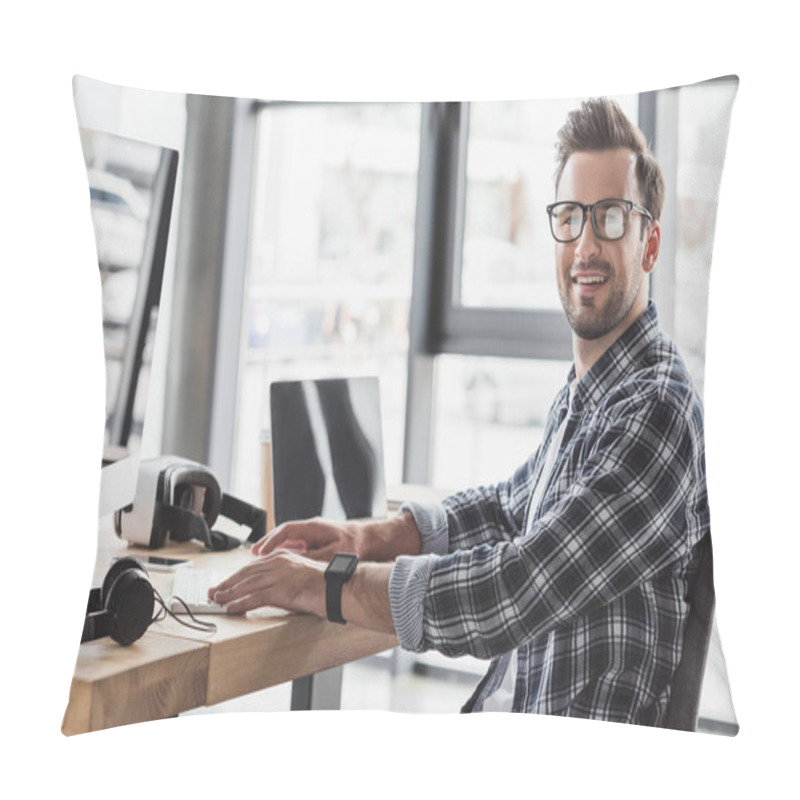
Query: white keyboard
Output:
(192,586)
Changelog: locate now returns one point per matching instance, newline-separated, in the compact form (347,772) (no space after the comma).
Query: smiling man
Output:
(574,576)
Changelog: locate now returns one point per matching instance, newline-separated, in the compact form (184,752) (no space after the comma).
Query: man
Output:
(573,575)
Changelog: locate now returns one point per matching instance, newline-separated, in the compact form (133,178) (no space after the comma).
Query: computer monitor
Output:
(131,188)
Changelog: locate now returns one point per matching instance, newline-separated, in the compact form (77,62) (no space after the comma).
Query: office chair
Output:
(685,699)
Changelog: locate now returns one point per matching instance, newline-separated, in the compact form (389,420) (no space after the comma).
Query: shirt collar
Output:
(617,361)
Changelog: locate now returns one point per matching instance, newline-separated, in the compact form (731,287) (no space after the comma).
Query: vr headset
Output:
(181,500)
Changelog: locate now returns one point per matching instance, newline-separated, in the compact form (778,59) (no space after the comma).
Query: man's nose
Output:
(588,246)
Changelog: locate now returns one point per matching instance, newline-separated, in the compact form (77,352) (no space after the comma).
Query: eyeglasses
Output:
(609,219)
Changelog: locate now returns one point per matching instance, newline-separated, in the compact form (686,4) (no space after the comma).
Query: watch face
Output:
(342,564)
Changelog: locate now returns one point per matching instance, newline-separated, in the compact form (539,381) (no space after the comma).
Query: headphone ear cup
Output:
(115,570)
(130,603)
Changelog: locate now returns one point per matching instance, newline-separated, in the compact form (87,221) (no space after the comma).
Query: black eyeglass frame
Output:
(629,206)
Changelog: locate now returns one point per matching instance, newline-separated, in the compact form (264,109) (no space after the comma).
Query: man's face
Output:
(601,283)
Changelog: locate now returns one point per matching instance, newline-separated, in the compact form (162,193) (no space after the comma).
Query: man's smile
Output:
(589,280)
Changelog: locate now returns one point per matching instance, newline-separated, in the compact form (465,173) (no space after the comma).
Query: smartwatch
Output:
(339,571)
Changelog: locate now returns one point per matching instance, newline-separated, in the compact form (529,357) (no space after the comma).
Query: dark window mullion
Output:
(510,333)
(434,238)
(446,220)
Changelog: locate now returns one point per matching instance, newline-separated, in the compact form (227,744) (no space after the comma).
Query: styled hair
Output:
(599,124)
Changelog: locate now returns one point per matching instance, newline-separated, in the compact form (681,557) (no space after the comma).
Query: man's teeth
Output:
(589,279)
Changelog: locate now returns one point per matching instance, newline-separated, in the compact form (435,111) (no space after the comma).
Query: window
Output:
(331,256)
(490,415)
(702,133)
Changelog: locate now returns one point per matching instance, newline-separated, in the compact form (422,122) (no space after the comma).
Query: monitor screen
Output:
(131,189)
(327,449)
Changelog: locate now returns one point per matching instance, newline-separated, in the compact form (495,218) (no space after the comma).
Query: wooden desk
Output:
(156,677)
(173,668)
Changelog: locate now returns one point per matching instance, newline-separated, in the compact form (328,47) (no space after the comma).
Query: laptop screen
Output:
(327,449)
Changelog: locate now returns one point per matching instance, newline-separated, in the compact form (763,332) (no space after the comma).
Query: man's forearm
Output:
(384,540)
(365,598)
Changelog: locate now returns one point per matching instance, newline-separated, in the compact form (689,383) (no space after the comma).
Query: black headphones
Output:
(123,606)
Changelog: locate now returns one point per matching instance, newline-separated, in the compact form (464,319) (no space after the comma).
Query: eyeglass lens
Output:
(610,220)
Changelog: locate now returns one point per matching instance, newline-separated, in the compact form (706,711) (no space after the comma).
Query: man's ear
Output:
(652,246)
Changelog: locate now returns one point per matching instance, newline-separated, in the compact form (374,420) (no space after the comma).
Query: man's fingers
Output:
(247,603)
(270,542)
(237,577)
(245,583)
(298,535)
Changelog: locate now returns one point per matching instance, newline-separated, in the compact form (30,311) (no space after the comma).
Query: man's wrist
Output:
(430,522)
(386,539)
(311,598)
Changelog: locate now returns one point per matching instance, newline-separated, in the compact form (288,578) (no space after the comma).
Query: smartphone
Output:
(162,564)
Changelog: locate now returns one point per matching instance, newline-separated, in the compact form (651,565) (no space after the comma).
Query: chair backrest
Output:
(685,698)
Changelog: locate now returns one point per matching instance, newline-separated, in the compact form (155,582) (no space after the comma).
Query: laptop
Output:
(327,449)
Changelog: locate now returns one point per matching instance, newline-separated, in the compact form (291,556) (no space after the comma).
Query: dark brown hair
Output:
(599,124)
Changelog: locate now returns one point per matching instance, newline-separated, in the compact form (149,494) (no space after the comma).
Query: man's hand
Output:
(321,540)
(283,578)
(286,579)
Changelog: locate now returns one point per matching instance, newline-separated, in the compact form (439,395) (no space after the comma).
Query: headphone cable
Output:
(200,625)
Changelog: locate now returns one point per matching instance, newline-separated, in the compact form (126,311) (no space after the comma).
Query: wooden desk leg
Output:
(322,691)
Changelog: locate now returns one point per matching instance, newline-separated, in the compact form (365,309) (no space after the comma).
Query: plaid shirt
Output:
(589,593)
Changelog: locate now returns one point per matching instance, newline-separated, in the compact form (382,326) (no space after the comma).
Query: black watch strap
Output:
(339,571)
